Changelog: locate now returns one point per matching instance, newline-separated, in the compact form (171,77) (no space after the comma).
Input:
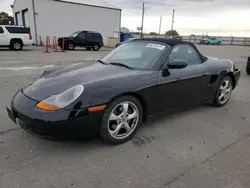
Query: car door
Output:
(213,41)
(182,87)
(3,38)
(80,39)
(91,39)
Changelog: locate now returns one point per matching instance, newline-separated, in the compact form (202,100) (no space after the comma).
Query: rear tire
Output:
(16,45)
(223,92)
(96,47)
(119,125)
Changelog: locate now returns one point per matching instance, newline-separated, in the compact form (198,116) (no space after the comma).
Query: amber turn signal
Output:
(97,108)
(47,107)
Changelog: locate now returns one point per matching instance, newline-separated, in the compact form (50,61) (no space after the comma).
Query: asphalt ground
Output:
(202,147)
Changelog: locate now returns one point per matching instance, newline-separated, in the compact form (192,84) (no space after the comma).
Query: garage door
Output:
(26,19)
(19,18)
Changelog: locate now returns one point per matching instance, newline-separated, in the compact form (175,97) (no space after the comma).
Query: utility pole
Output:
(172,26)
(160,25)
(142,22)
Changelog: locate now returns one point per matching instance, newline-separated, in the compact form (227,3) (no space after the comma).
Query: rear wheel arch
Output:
(16,39)
(231,75)
(221,101)
(224,73)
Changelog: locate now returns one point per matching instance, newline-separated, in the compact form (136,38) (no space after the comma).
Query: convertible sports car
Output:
(114,95)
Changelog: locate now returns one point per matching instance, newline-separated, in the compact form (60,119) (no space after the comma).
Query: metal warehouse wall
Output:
(62,19)
(21,5)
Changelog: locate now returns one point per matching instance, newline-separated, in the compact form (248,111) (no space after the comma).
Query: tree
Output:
(172,33)
(6,19)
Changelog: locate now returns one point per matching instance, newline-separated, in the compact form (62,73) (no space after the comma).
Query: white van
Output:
(15,37)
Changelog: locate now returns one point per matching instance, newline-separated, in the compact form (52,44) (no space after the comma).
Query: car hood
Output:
(58,80)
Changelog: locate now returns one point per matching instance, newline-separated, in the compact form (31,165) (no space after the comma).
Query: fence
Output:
(237,41)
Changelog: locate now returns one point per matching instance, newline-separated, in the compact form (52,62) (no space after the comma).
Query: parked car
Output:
(114,95)
(15,37)
(178,37)
(248,65)
(88,39)
(119,43)
(211,40)
(125,36)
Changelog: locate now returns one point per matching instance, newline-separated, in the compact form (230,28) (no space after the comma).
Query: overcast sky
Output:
(217,17)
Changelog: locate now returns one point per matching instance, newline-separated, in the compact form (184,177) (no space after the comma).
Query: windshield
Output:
(136,54)
(75,34)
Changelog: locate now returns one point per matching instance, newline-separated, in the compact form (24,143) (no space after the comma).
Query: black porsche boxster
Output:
(112,96)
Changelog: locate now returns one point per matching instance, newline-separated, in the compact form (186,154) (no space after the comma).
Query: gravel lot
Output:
(203,147)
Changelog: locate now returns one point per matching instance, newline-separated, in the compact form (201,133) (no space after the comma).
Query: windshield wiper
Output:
(101,62)
(120,64)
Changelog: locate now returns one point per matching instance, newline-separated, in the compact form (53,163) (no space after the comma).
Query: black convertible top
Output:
(173,42)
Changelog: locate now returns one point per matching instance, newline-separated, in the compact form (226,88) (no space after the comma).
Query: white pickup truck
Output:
(15,37)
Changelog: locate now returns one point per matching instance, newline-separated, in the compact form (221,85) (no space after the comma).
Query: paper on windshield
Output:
(157,46)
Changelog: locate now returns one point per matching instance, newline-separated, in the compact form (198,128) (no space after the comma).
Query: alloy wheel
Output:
(225,91)
(96,47)
(123,120)
(17,46)
(70,46)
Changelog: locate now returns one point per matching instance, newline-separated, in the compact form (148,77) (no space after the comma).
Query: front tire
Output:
(121,120)
(223,92)
(70,46)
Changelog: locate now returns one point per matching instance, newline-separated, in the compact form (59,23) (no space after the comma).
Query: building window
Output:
(18,30)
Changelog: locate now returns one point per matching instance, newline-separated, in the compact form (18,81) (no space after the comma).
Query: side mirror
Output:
(177,64)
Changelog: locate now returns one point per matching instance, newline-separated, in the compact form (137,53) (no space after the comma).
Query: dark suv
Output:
(88,39)
(248,65)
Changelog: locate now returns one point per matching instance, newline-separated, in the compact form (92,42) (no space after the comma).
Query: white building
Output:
(64,17)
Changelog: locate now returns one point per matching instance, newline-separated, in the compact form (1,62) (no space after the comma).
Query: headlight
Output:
(56,102)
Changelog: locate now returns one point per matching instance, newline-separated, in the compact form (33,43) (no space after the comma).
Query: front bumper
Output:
(79,123)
